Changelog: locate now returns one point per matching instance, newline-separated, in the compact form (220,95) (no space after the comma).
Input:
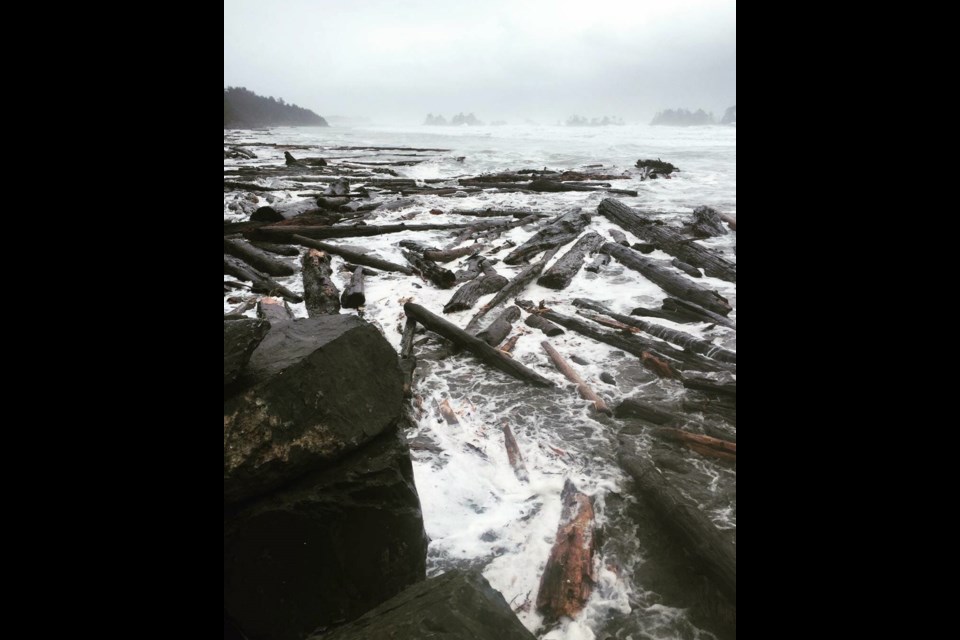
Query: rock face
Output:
(314,390)
(240,337)
(459,605)
(328,547)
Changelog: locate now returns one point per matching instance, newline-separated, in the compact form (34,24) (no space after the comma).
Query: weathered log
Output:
(440,277)
(681,318)
(599,262)
(643,247)
(679,338)
(285,210)
(476,346)
(466,296)
(558,233)
(279,249)
(630,343)
(499,328)
(350,231)
(352,297)
(724,408)
(495,213)
(443,255)
(513,288)
(710,548)
(320,295)
(694,310)
(408,362)
(706,223)
(261,283)
(447,412)
(559,275)
(582,388)
(669,280)
(619,237)
(552,186)
(730,220)
(688,269)
(636,408)
(543,324)
(668,239)
(509,345)
(243,307)
(569,576)
(357,257)
(679,435)
(513,455)
(490,229)
(475,265)
(274,310)
(712,387)
(256,258)
(350,268)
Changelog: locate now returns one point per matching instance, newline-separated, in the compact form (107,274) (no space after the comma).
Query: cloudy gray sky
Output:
(397,60)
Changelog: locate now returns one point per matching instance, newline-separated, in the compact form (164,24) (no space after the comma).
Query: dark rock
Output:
(339,188)
(316,389)
(609,379)
(286,210)
(458,605)
(327,548)
(240,337)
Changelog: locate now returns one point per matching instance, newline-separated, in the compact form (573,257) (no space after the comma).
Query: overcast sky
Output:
(398,60)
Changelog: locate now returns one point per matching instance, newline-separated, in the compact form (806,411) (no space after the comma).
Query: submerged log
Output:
(353,296)
(723,449)
(585,391)
(635,408)
(672,316)
(356,257)
(694,310)
(476,346)
(688,269)
(706,223)
(563,230)
(257,258)
(279,249)
(351,231)
(500,328)
(559,275)
(467,295)
(320,294)
(712,387)
(513,288)
(513,455)
(408,362)
(475,265)
(274,310)
(261,283)
(490,229)
(679,338)
(668,240)
(710,548)
(543,324)
(669,280)
(552,186)
(569,577)
(448,415)
(619,237)
(440,277)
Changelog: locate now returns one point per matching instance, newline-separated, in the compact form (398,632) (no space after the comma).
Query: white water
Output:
(475,510)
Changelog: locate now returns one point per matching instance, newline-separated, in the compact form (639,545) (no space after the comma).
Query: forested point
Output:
(243,109)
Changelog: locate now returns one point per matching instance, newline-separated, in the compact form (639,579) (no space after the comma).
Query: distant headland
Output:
(243,109)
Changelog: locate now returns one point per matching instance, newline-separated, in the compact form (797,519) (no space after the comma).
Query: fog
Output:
(511,60)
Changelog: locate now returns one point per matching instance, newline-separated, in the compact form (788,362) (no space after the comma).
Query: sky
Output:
(544,60)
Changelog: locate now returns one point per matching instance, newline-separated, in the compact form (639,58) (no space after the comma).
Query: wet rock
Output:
(310,397)
(580,360)
(609,379)
(326,548)
(458,605)
(240,337)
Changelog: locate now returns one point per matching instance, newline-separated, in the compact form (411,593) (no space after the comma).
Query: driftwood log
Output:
(274,310)
(513,455)
(320,295)
(500,328)
(513,288)
(582,388)
(429,270)
(474,345)
(355,257)
(668,280)
(559,275)
(257,258)
(408,362)
(558,233)
(353,296)
(668,239)
(709,547)
(543,325)
(260,283)
(569,577)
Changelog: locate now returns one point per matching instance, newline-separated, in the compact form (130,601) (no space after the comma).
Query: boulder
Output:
(326,548)
(240,337)
(458,605)
(314,390)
